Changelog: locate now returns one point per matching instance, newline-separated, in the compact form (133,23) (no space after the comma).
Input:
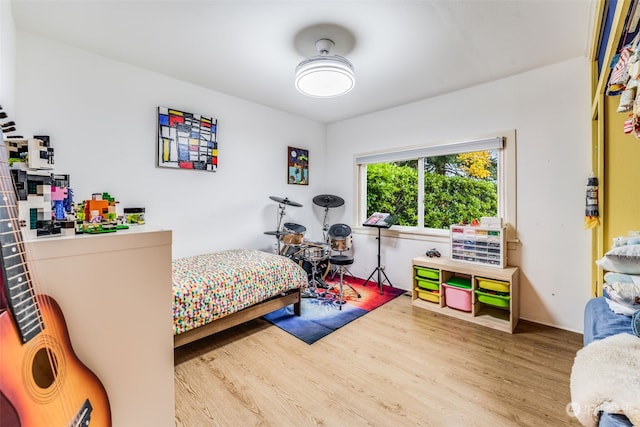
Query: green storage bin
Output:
(495,300)
(427,273)
(430,284)
(459,282)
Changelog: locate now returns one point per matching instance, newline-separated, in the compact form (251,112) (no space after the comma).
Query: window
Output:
(429,188)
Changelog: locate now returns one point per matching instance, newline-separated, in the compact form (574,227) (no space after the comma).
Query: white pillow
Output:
(622,259)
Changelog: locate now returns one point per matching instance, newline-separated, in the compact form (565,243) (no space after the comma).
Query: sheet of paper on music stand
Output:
(377,218)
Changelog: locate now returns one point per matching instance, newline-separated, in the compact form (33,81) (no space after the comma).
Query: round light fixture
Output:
(325,75)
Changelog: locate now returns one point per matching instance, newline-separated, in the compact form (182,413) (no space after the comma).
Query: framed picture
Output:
(297,166)
(186,140)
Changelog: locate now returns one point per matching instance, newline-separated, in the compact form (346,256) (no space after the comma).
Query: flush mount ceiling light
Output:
(325,75)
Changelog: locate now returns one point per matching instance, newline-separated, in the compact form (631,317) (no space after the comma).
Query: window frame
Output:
(506,182)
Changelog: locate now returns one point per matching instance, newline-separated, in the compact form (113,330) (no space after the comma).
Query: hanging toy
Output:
(591,212)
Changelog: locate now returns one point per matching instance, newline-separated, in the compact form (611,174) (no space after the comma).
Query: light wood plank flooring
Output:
(396,366)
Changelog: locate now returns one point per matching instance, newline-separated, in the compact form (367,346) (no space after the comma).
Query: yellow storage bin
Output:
(493,285)
(428,273)
(432,296)
(429,284)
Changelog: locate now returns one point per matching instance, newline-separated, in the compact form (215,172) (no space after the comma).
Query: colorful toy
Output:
(33,193)
(98,215)
(58,195)
(101,205)
(35,153)
(134,215)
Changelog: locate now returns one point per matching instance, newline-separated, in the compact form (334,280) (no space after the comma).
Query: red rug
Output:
(322,315)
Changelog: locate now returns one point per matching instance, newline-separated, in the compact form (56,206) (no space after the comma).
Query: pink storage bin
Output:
(457,298)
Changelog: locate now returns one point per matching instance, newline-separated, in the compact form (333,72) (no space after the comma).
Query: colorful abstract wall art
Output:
(186,140)
(298,166)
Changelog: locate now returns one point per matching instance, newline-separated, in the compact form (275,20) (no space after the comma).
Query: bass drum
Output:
(293,251)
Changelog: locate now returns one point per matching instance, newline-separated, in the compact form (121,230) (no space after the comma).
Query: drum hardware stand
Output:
(325,225)
(327,201)
(342,269)
(282,204)
(378,269)
(314,283)
(281,209)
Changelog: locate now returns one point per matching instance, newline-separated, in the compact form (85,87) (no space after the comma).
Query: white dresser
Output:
(115,292)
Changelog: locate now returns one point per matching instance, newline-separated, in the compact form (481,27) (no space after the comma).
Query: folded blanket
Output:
(618,308)
(606,377)
(627,294)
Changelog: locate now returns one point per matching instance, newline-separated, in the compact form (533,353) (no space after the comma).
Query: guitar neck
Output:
(19,292)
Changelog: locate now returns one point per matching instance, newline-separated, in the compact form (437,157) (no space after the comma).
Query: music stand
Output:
(379,221)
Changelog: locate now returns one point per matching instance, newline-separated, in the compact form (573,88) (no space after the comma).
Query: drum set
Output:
(314,257)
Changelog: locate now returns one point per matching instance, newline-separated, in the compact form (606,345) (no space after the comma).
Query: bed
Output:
(601,324)
(213,292)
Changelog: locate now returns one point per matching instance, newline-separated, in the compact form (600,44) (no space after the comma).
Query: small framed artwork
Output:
(297,166)
(186,140)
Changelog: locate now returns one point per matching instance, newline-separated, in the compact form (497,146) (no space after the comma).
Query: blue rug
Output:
(321,316)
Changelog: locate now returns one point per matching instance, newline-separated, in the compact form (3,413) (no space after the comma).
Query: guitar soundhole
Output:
(44,368)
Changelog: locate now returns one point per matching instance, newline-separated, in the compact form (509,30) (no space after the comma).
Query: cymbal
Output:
(294,228)
(274,233)
(285,201)
(328,201)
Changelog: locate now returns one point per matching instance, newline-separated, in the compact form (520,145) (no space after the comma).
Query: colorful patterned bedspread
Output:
(210,286)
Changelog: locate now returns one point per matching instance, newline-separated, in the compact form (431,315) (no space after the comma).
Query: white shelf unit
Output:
(500,318)
(479,245)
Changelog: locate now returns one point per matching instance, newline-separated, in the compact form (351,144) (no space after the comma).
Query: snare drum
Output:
(315,252)
(293,234)
(340,237)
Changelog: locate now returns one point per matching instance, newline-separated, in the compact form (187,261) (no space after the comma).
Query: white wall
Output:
(7,59)
(101,116)
(549,109)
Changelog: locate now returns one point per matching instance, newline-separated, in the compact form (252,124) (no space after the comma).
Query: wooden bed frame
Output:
(252,312)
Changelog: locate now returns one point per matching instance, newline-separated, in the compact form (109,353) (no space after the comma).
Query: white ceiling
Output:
(402,51)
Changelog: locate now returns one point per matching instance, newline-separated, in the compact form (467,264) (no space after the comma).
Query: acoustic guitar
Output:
(42,381)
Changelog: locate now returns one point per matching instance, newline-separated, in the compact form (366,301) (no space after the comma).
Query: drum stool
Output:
(341,261)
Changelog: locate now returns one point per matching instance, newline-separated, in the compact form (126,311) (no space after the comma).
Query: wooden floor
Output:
(396,366)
